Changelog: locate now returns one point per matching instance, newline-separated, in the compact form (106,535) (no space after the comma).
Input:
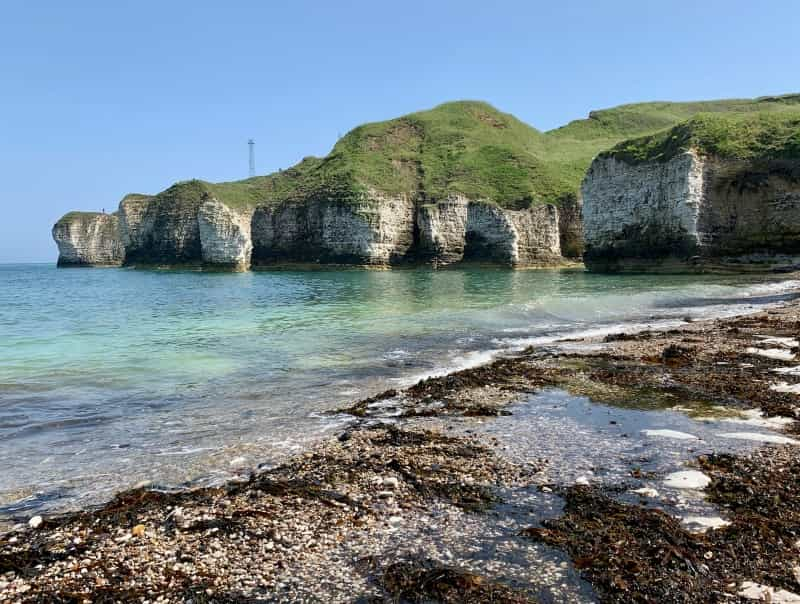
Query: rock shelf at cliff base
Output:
(377,511)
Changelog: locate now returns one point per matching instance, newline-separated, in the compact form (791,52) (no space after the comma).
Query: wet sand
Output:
(419,500)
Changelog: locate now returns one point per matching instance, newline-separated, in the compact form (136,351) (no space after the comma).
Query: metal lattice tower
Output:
(252,144)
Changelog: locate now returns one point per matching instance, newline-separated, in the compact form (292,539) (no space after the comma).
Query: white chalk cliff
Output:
(376,230)
(692,211)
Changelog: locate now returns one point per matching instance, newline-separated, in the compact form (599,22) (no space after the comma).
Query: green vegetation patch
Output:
(471,148)
(74,216)
(762,135)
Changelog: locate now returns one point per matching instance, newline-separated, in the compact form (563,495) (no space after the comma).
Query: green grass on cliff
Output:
(764,135)
(471,148)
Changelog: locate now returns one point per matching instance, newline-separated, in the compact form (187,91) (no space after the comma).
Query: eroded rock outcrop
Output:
(375,231)
(163,229)
(225,235)
(89,239)
(691,211)
(458,229)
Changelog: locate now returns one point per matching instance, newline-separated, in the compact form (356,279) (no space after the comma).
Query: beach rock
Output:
(687,479)
(646,492)
(35,522)
(390,482)
(703,523)
(763,593)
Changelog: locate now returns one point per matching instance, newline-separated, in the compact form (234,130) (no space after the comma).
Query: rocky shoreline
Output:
(373,514)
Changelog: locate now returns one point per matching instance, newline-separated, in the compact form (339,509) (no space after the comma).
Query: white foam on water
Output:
(460,362)
(593,332)
(760,437)
(670,434)
(778,287)
(755,417)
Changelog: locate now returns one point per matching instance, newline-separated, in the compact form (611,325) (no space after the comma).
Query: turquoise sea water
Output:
(109,377)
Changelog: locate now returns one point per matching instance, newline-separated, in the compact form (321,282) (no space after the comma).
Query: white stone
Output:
(687,479)
(670,434)
(777,354)
(35,522)
(646,492)
(778,341)
(391,482)
(705,522)
(785,387)
(582,480)
(763,593)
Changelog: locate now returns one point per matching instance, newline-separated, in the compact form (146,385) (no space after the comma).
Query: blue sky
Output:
(98,99)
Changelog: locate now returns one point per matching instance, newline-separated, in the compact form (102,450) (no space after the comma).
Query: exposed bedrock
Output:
(88,239)
(224,235)
(161,231)
(458,229)
(377,230)
(691,213)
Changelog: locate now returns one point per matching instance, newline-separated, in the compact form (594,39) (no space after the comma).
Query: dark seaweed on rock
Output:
(628,553)
(422,581)
(635,554)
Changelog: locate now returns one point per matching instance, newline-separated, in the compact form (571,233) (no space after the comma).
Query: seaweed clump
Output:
(420,581)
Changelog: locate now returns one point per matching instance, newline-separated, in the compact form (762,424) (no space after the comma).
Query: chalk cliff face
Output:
(376,230)
(88,239)
(162,229)
(691,212)
(224,235)
(458,229)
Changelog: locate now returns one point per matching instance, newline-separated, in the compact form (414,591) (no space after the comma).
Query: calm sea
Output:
(109,377)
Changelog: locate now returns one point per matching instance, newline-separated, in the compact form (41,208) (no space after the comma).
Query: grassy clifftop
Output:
(766,135)
(471,148)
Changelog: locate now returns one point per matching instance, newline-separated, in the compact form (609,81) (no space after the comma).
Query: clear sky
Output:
(102,98)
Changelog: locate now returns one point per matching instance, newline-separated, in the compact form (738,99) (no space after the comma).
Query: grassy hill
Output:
(765,135)
(469,147)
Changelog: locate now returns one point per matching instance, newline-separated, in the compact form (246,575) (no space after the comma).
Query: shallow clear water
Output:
(114,376)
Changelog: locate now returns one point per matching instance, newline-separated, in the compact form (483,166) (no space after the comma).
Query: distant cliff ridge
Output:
(465,182)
